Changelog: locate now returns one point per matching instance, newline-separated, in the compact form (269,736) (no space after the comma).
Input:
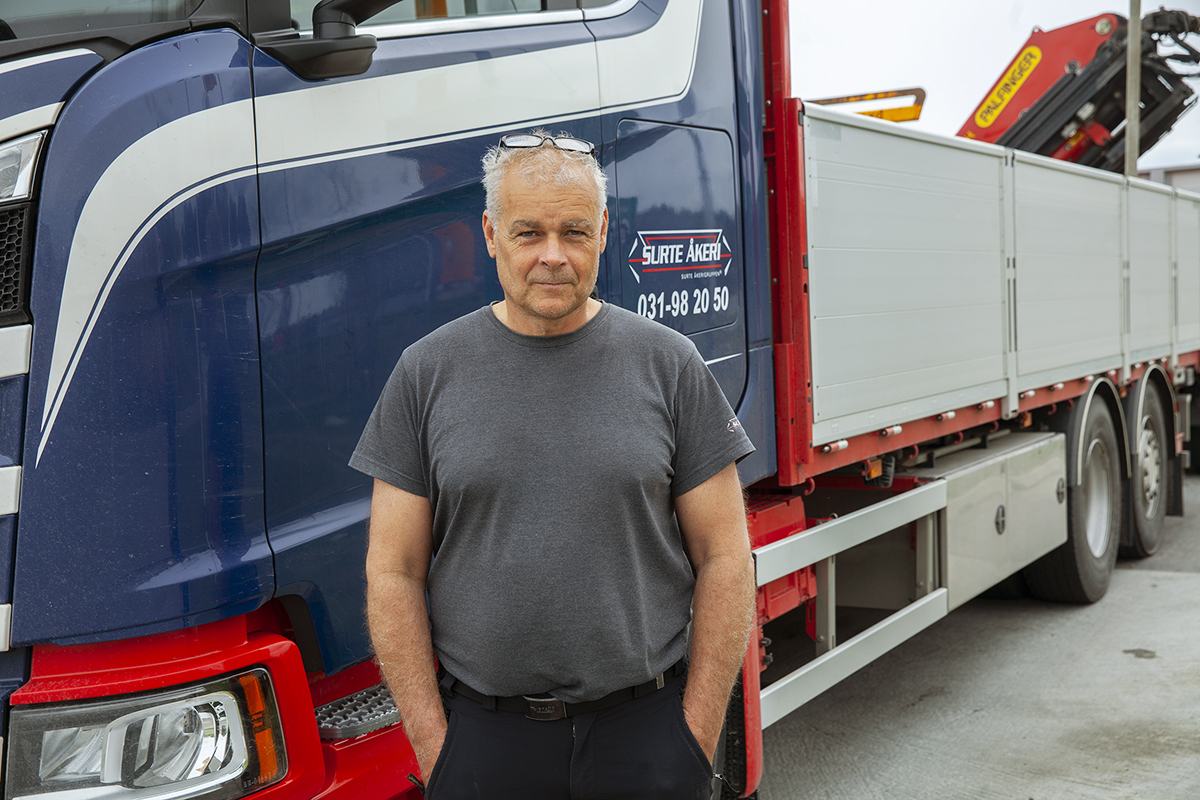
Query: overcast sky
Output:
(954,49)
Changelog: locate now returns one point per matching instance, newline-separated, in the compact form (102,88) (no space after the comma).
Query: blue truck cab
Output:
(218,231)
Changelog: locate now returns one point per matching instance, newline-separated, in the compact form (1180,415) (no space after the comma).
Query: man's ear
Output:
(489,234)
(604,229)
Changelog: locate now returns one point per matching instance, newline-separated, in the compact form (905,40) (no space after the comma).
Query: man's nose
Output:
(553,252)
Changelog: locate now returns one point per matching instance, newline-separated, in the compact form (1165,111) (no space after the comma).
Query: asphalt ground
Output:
(1020,699)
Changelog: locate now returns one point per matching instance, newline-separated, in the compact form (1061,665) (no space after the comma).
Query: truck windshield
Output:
(21,19)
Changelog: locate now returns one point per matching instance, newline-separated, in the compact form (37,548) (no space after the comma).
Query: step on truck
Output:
(964,366)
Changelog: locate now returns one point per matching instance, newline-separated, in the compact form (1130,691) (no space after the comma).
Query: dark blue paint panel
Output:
(337,540)
(360,192)
(336,310)
(145,512)
(749,103)
(42,84)
(12,419)
(8,542)
(757,410)
(757,414)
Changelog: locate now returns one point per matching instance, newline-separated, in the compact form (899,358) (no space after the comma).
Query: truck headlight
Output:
(219,740)
(17,161)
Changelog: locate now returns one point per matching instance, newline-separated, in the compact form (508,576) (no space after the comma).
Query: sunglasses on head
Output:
(514,141)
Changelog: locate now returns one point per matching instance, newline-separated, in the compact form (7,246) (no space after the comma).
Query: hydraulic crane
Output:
(1063,95)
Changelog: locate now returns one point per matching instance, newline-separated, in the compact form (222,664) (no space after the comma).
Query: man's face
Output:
(547,244)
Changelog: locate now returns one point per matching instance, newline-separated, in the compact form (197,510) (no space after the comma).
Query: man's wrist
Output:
(705,725)
(427,743)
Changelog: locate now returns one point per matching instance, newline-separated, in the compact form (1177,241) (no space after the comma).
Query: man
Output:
(566,464)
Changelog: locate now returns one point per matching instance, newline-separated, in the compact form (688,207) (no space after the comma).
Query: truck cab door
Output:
(371,223)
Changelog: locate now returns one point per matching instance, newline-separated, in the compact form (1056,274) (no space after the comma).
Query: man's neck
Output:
(529,325)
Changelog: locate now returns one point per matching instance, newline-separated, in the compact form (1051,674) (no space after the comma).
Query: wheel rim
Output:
(1098,487)
(1150,461)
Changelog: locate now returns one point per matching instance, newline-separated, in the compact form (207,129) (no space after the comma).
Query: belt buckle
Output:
(545,709)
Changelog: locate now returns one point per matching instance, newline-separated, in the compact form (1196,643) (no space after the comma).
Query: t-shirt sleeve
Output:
(390,446)
(708,435)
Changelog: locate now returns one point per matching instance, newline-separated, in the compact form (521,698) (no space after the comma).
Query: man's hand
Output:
(712,518)
(427,755)
(401,545)
(707,730)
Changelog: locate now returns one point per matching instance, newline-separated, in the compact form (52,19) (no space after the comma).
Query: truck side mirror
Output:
(334,50)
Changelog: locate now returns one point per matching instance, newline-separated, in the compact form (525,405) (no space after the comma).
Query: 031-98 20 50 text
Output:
(682,303)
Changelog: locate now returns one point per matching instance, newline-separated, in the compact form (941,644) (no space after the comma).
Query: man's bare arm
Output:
(401,544)
(712,518)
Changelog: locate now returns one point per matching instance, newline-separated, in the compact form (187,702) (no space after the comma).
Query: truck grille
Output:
(13,244)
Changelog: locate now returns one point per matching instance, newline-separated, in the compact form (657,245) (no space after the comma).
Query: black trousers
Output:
(641,749)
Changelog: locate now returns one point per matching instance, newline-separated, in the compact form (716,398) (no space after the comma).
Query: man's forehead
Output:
(536,198)
(550,179)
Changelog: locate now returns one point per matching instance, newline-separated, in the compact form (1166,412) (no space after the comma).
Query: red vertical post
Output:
(784,152)
(784,155)
(751,687)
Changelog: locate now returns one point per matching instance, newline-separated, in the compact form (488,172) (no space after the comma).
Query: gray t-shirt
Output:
(551,464)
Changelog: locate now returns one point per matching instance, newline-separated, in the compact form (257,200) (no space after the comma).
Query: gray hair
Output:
(537,165)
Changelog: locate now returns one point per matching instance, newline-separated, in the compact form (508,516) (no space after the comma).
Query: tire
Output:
(1080,570)
(1146,508)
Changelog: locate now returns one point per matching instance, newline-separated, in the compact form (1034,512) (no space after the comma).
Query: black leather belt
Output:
(546,708)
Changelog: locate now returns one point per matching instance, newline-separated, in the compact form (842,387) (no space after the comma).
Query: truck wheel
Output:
(1079,571)
(1147,505)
